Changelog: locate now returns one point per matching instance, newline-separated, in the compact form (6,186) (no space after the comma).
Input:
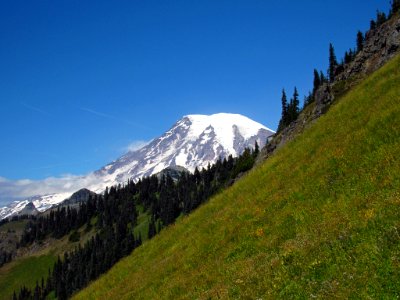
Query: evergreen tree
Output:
(380,18)
(296,104)
(256,149)
(360,41)
(372,25)
(293,108)
(317,81)
(308,99)
(152,228)
(395,7)
(322,77)
(347,58)
(332,63)
(352,54)
(284,117)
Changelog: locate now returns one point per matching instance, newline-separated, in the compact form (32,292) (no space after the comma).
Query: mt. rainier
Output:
(194,141)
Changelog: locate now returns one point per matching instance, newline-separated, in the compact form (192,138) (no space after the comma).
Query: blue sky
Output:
(80,81)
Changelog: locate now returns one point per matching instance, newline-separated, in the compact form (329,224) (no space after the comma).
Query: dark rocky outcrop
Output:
(78,197)
(174,171)
(29,210)
(381,44)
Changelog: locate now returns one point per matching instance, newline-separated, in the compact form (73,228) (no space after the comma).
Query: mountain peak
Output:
(192,142)
(216,115)
(225,127)
(225,119)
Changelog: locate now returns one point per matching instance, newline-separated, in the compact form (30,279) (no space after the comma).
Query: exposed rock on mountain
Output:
(29,209)
(194,141)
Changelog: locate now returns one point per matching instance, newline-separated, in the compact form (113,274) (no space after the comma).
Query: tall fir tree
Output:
(322,77)
(347,57)
(296,104)
(372,25)
(284,117)
(152,228)
(395,7)
(380,18)
(256,149)
(317,81)
(293,107)
(360,41)
(332,63)
(352,54)
(308,99)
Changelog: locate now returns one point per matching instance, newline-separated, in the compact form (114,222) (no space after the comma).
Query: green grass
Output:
(142,226)
(34,265)
(18,226)
(23,271)
(319,219)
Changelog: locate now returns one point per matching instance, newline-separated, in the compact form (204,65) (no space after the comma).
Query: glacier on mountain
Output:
(192,142)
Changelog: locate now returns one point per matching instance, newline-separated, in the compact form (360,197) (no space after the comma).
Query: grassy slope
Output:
(23,271)
(28,269)
(14,225)
(142,227)
(321,218)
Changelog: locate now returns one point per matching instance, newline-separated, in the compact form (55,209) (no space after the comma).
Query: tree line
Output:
(291,109)
(114,215)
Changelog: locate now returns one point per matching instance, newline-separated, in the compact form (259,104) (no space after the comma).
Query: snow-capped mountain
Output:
(194,141)
(41,203)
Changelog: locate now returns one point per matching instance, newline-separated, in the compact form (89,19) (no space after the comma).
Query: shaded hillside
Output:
(34,262)
(320,218)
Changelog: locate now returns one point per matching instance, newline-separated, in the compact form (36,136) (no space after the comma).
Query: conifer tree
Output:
(284,116)
(360,41)
(308,99)
(152,228)
(332,63)
(380,18)
(395,6)
(322,77)
(317,81)
(352,54)
(256,149)
(296,105)
(372,25)
(346,57)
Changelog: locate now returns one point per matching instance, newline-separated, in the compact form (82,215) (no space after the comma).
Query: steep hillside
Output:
(319,219)
(32,263)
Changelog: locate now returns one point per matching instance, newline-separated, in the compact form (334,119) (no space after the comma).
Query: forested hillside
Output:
(119,220)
